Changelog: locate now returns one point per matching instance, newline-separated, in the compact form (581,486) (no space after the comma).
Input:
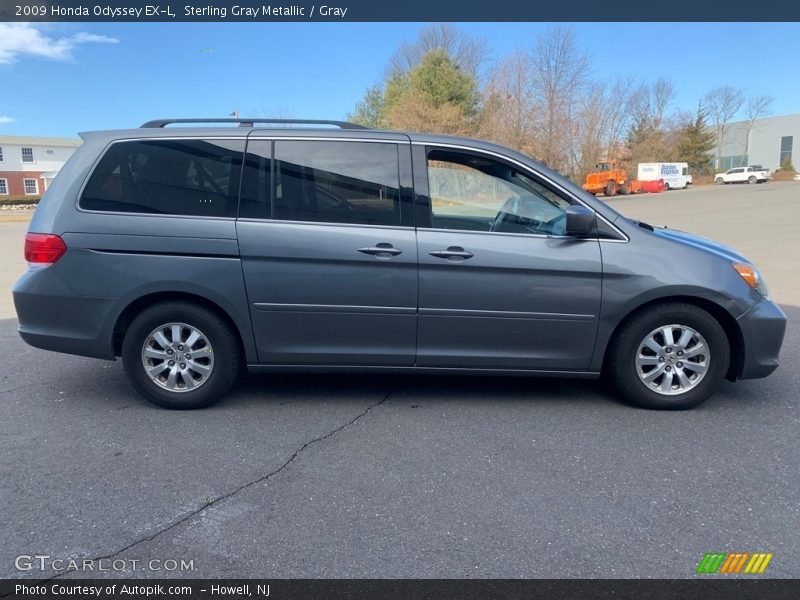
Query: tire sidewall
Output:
(628,379)
(218,335)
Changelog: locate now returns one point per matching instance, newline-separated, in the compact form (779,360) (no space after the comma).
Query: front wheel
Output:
(719,181)
(670,357)
(751,180)
(180,355)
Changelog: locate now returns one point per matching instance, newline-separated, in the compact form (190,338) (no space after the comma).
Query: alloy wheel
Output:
(177,357)
(672,359)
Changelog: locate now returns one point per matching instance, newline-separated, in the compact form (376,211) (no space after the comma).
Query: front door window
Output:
(470,192)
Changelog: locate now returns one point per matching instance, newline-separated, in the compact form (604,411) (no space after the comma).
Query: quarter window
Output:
(27,155)
(475,193)
(3,187)
(31,186)
(171,177)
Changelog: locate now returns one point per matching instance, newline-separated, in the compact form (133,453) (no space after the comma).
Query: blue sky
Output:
(59,79)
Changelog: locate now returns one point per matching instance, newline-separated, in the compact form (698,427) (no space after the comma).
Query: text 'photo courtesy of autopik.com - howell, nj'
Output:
(387,301)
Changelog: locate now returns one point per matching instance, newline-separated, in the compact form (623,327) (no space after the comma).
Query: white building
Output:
(769,142)
(28,164)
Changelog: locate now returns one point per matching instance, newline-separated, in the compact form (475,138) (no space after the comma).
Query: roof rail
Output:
(245,122)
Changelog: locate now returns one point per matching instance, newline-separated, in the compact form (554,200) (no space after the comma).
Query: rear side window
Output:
(168,177)
(329,181)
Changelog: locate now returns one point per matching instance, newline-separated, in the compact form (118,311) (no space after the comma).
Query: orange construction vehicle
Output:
(610,179)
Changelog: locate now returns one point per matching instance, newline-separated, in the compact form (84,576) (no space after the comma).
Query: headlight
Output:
(753,278)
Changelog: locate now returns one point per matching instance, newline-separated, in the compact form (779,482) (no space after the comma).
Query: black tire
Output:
(611,188)
(719,181)
(625,188)
(223,342)
(666,187)
(623,371)
(752,179)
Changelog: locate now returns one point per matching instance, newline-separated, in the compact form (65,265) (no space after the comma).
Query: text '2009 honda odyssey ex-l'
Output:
(192,251)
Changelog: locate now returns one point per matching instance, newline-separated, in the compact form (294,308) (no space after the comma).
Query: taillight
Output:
(44,248)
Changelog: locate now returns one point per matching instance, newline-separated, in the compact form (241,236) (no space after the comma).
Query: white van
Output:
(675,174)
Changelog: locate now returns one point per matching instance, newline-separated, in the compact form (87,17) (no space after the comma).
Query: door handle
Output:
(453,253)
(381,250)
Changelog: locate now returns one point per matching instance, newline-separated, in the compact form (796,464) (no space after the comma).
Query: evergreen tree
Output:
(436,95)
(370,111)
(697,142)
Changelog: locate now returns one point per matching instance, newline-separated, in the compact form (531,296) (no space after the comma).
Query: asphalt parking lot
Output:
(388,476)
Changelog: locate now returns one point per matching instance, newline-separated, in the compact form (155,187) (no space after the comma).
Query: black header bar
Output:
(615,11)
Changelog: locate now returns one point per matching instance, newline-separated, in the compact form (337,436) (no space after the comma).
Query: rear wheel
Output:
(611,188)
(625,188)
(180,355)
(752,179)
(670,356)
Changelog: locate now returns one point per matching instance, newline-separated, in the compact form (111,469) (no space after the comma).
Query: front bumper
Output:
(763,328)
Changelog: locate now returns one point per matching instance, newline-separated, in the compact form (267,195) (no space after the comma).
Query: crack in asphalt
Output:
(28,385)
(242,487)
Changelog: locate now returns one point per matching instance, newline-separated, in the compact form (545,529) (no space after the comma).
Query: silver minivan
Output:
(194,251)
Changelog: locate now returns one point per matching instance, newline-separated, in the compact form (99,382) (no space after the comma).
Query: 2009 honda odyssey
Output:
(192,251)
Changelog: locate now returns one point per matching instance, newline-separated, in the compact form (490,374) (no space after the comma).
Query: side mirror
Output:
(580,221)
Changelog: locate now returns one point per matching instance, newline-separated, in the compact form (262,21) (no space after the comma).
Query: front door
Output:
(328,252)
(500,284)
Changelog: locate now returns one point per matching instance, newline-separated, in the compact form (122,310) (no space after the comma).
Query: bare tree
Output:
(603,117)
(593,137)
(561,71)
(509,113)
(271,112)
(722,104)
(663,93)
(757,107)
(618,100)
(648,129)
(470,53)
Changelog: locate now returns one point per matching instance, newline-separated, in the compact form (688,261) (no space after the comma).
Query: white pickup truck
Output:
(754,174)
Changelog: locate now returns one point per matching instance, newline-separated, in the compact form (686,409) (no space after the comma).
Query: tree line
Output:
(545,101)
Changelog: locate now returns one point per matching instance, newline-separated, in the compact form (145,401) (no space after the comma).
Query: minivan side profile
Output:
(193,252)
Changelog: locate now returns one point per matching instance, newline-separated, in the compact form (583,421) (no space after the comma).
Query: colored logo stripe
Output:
(733,562)
(710,563)
(758,563)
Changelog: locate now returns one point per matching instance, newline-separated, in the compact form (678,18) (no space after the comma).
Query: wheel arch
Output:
(732,330)
(136,306)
